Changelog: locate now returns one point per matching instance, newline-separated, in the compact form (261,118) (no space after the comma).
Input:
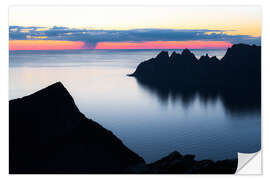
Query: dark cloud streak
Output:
(92,37)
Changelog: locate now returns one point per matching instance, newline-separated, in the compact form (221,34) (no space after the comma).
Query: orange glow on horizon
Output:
(44,45)
(69,45)
(165,45)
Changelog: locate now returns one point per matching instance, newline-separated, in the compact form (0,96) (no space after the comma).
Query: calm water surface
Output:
(148,123)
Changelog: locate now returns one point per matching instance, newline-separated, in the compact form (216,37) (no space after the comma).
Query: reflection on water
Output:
(236,101)
(151,121)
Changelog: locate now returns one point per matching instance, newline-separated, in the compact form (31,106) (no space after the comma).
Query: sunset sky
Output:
(132,27)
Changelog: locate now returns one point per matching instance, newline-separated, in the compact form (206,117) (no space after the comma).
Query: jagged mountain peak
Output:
(186,52)
(163,55)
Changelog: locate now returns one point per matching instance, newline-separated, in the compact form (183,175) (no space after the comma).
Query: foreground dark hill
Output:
(176,163)
(48,134)
(236,78)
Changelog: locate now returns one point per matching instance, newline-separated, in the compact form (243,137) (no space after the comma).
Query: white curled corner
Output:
(249,163)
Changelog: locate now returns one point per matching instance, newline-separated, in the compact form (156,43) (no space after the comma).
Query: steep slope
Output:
(48,134)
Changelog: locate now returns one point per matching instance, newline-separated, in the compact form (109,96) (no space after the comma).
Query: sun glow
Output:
(44,45)
(165,45)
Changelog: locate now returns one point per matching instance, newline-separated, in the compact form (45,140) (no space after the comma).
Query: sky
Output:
(132,27)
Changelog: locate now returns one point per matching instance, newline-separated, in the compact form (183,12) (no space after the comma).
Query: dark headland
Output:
(236,77)
(48,134)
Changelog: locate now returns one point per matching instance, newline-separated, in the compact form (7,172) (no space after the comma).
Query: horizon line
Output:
(119,49)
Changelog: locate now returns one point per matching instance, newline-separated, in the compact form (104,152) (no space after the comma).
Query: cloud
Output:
(91,37)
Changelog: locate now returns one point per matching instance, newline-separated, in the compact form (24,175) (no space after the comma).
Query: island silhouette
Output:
(235,78)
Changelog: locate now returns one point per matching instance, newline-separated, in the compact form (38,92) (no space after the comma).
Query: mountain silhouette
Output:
(236,77)
(48,134)
(241,62)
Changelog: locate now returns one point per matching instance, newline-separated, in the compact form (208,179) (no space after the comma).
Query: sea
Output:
(149,123)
